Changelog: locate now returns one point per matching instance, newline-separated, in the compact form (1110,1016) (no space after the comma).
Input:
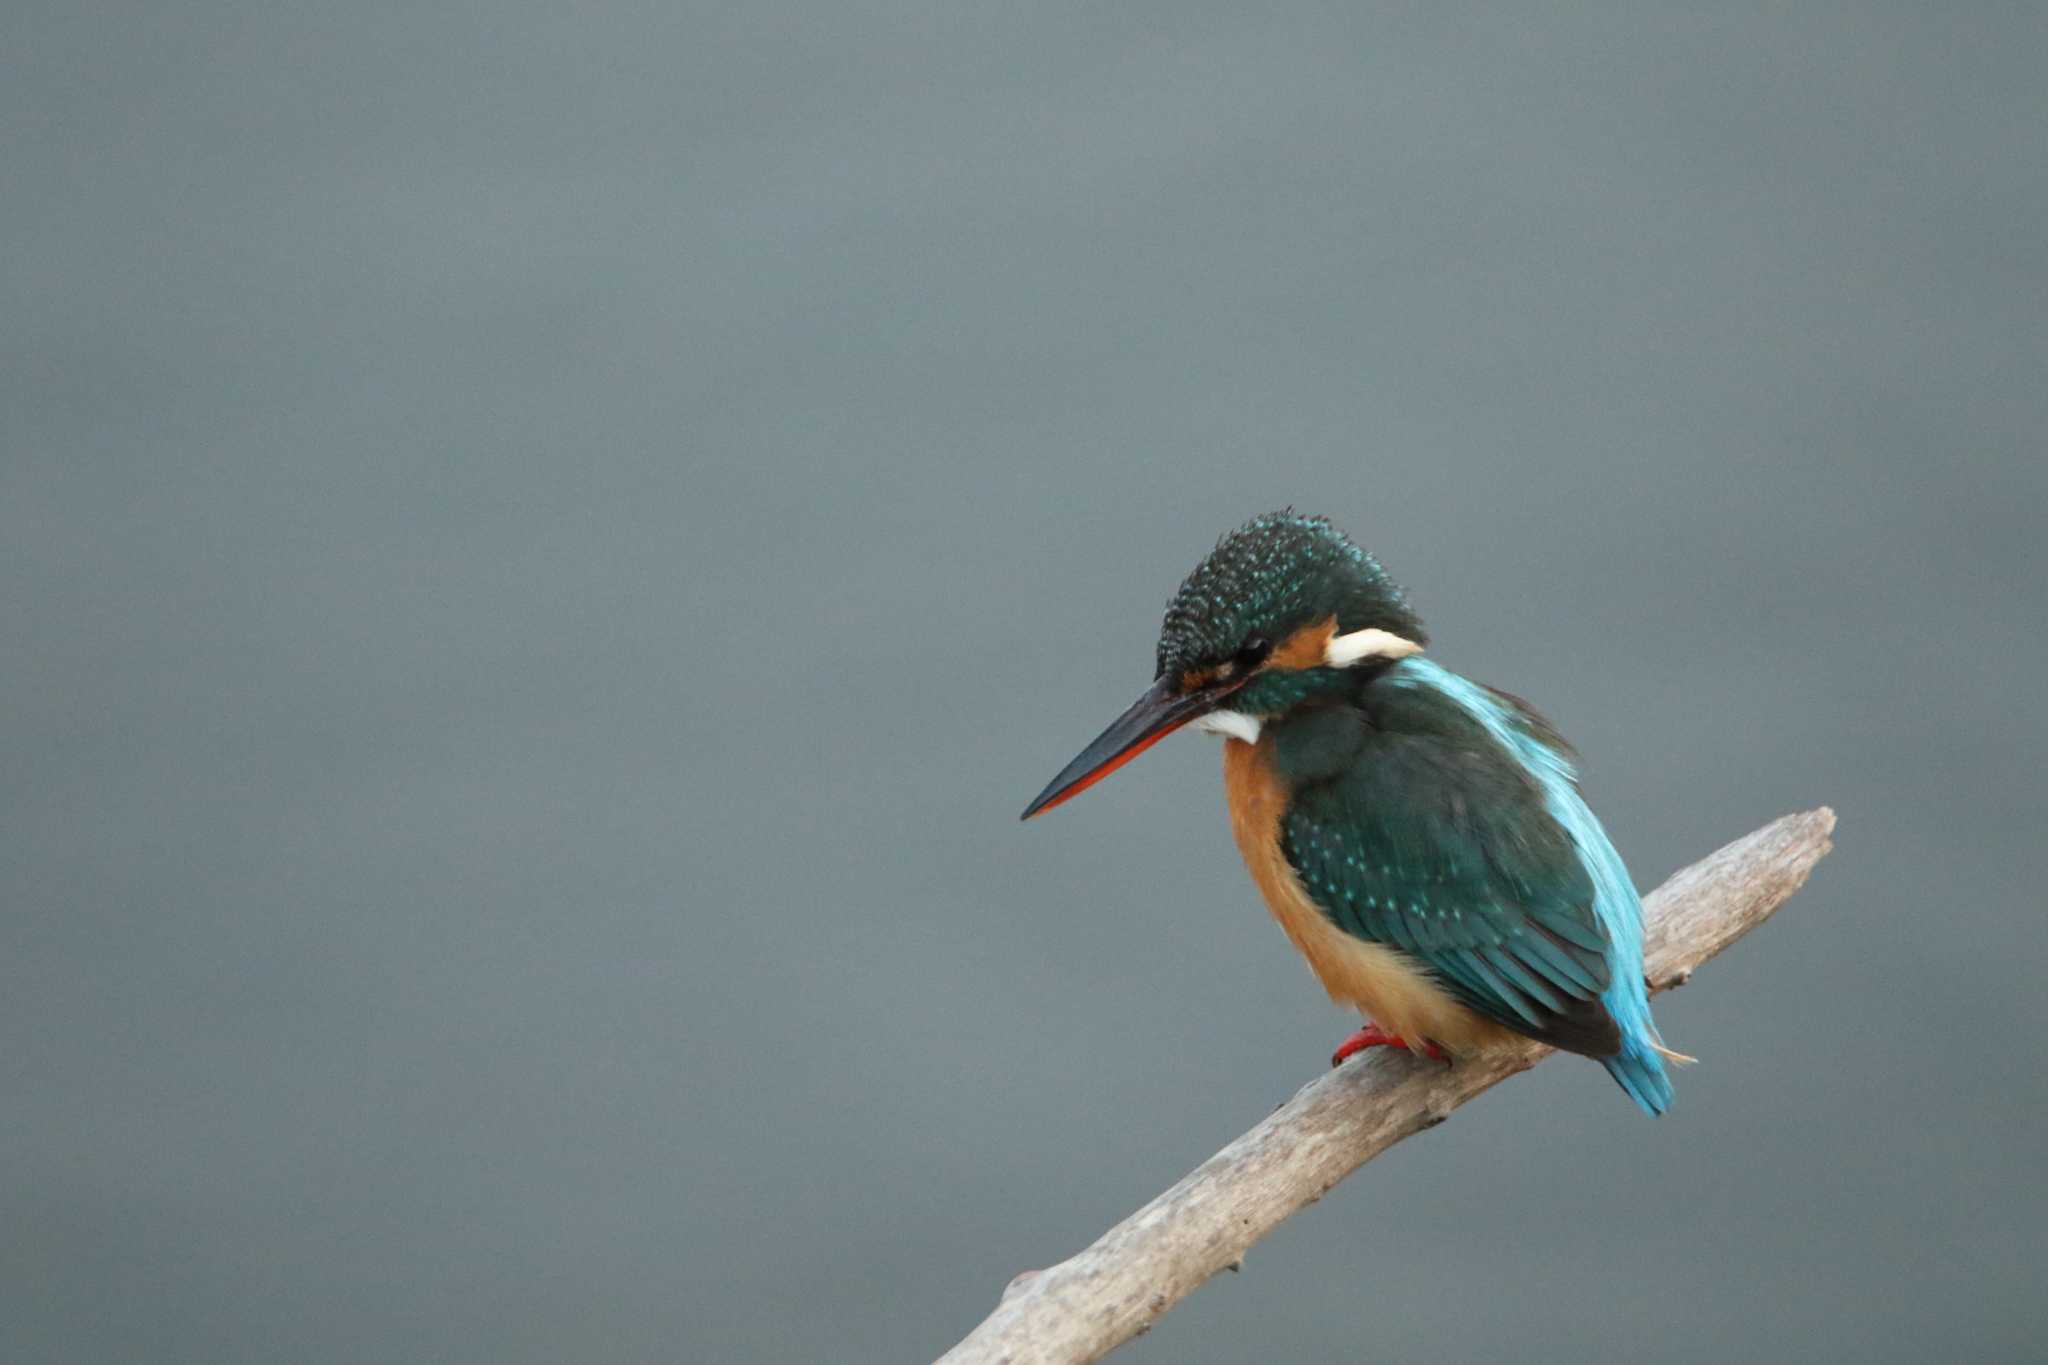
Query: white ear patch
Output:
(1345,650)
(1235,724)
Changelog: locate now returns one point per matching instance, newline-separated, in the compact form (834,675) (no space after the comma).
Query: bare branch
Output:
(1088,1305)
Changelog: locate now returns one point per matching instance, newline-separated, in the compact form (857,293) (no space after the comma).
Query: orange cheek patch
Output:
(1306,648)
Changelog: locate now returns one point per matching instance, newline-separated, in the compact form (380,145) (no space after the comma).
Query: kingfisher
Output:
(1420,837)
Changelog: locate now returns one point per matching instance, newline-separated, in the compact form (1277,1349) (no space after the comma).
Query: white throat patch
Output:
(1235,724)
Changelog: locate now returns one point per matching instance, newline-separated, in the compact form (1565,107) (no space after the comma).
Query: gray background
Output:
(543,547)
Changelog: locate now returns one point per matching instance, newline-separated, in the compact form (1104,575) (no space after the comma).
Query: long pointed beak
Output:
(1151,718)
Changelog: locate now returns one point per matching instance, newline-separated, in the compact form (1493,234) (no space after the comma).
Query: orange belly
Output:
(1383,982)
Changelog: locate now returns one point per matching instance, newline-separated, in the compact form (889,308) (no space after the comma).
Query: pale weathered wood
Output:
(1087,1305)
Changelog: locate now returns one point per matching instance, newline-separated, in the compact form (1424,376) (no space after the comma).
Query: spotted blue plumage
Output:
(1639,1066)
(1279,568)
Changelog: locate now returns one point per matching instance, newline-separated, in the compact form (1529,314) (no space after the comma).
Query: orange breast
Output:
(1384,982)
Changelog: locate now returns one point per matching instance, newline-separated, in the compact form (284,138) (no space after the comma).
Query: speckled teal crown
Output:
(1272,576)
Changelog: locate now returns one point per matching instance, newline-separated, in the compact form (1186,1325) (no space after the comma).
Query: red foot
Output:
(1371,1036)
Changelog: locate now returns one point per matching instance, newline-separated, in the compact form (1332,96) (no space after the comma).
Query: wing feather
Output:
(1436,842)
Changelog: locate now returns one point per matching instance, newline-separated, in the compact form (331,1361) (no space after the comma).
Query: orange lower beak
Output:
(1151,718)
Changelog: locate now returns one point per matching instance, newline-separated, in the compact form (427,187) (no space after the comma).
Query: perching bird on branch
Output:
(1420,837)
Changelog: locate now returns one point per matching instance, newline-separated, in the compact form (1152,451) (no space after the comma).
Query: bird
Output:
(1421,838)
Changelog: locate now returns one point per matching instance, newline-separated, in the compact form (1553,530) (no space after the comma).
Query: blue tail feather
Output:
(1640,1070)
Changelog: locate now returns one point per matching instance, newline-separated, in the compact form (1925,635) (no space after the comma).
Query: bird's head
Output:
(1279,614)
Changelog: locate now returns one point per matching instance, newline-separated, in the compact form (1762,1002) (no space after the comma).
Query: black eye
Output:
(1253,652)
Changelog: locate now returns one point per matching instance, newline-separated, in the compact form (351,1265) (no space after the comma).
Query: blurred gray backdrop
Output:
(543,547)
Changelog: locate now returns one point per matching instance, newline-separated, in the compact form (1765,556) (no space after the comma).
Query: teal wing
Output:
(1430,838)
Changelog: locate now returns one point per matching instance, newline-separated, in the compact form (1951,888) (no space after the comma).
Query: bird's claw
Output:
(1373,1036)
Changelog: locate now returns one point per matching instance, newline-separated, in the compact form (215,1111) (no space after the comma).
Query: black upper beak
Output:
(1151,718)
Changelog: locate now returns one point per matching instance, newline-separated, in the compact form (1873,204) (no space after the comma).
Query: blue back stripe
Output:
(1639,1068)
